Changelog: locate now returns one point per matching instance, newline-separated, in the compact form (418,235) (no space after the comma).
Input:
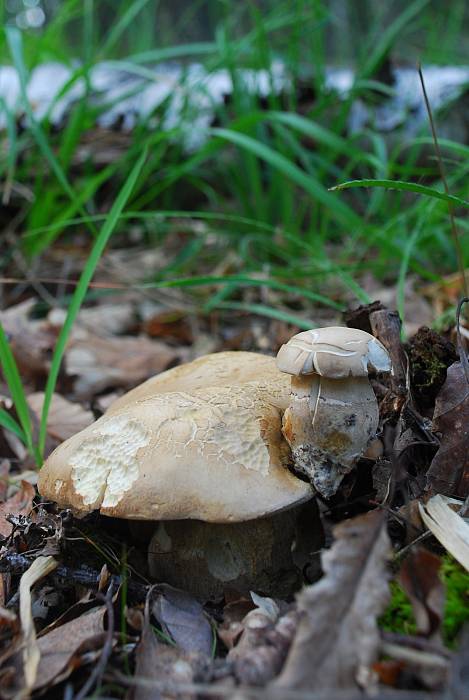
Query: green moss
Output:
(399,617)
(456,580)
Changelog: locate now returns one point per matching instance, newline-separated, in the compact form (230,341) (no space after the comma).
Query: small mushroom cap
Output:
(216,369)
(333,352)
(216,454)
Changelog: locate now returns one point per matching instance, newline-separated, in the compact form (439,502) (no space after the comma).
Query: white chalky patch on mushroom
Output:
(105,465)
(223,425)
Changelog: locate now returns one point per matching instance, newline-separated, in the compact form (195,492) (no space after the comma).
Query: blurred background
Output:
(251,112)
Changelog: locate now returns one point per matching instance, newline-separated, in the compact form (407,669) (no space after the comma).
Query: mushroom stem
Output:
(328,426)
(208,558)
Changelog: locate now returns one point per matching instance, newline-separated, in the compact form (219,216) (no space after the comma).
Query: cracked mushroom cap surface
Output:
(334,352)
(215,454)
(216,369)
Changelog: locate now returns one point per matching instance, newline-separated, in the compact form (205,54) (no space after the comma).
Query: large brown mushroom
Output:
(208,462)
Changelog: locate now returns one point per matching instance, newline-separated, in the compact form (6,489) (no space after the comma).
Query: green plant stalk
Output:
(80,292)
(15,385)
(15,44)
(403,186)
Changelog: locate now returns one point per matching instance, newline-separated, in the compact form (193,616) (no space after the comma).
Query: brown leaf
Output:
(419,577)
(65,418)
(449,470)
(104,319)
(163,665)
(338,639)
(19,504)
(183,618)
(4,474)
(30,340)
(123,361)
(60,649)
(171,325)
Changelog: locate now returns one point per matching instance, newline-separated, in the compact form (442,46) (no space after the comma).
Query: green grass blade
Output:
(8,422)
(269,312)
(406,187)
(343,213)
(171,52)
(16,50)
(244,280)
(388,37)
(15,385)
(81,289)
(118,27)
(321,135)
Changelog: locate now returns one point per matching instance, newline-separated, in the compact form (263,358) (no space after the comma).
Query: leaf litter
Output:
(329,636)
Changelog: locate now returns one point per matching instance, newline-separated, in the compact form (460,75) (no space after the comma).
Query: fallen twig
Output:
(17,564)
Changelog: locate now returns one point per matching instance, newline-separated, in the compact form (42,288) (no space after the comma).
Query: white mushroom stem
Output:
(328,425)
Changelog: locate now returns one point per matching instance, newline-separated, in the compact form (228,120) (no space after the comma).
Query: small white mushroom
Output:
(333,413)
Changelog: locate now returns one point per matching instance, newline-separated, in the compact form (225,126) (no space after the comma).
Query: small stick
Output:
(17,564)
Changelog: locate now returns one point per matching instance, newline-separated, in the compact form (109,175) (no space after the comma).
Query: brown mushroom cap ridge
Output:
(334,352)
(215,454)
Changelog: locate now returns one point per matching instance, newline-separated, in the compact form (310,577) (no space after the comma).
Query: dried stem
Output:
(456,241)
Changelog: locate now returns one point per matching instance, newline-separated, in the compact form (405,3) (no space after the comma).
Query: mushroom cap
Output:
(215,454)
(216,369)
(333,352)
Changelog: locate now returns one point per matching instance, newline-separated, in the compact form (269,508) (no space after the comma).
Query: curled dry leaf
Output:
(263,644)
(31,651)
(338,639)
(19,504)
(449,470)
(447,526)
(65,418)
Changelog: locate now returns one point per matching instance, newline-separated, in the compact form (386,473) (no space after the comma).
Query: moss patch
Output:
(399,617)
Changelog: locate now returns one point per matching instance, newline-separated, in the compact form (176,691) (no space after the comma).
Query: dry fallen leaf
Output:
(419,577)
(31,652)
(449,470)
(104,319)
(183,618)
(19,504)
(264,642)
(30,340)
(447,526)
(338,639)
(60,649)
(65,418)
(160,665)
(123,361)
